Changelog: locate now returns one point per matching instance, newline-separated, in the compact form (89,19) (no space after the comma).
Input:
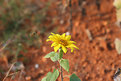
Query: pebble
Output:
(61,21)
(108,30)
(18,66)
(41,71)
(67,33)
(89,35)
(28,77)
(105,23)
(44,59)
(36,66)
(44,49)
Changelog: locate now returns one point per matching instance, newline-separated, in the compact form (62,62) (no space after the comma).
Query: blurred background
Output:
(26,24)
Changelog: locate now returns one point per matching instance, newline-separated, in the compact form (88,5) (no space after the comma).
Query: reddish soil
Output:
(96,60)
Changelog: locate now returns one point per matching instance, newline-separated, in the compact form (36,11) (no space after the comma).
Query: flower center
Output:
(63,42)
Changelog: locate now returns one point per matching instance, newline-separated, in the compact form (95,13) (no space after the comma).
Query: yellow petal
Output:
(63,35)
(57,47)
(72,49)
(71,42)
(68,37)
(52,33)
(57,36)
(54,44)
(50,36)
(72,46)
(64,49)
(53,38)
(48,40)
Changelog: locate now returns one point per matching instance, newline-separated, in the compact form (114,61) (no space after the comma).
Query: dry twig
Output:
(8,71)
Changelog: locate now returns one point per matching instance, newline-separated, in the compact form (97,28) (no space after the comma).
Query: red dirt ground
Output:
(96,60)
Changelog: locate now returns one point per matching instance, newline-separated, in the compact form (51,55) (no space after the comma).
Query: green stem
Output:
(61,73)
(60,57)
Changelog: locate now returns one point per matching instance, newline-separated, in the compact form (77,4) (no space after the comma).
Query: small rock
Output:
(44,59)
(85,64)
(108,30)
(28,77)
(61,21)
(112,45)
(105,23)
(41,71)
(89,35)
(44,49)
(77,23)
(36,66)
(67,33)
(18,66)
(117,43)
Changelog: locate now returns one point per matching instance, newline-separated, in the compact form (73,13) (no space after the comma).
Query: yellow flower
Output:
(61,41)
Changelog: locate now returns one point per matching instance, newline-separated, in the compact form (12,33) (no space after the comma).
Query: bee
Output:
(117,75)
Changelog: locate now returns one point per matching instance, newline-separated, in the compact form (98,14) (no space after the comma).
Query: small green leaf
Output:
(51,54)
(60,54)
(65,64)
(54,75)
(73,77)
(49,74)
(44,79)
(55,57)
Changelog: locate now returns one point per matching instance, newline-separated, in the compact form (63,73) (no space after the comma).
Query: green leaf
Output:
(73,77)
(51,76)
(65,64)
(51,54)
(48,76)
(60,54)
(44,79)
(54,75)
(55,57)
